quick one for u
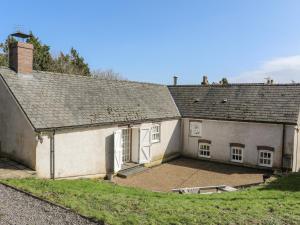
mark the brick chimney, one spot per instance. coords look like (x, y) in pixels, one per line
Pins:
(204, 80)
(21, 57)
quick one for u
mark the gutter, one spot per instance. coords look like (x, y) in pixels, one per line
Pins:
(121, 123)
(52, 155)
(239, 120)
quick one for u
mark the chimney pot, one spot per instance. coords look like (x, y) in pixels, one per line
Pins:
(21, 57)
(175, 78)
(204, 80)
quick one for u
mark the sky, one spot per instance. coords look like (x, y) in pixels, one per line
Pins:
(153, 40)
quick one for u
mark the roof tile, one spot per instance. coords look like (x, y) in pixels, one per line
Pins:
(58, 100)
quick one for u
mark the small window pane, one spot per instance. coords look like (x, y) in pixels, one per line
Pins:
(265, 158)
(236, 154)
(155, 133)
(204, 150)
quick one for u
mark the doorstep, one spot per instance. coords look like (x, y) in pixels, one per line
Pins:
(130, 169)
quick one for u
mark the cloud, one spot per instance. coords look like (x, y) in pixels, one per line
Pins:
(281, 70)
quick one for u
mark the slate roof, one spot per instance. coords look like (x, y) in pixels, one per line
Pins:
(58, 100)
(239, 102)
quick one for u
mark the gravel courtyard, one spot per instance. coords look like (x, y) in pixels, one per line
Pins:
(17, 208)
(184, 172)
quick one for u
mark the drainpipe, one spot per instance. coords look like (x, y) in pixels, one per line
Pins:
(283, 145)
(296, 154)
(52, 155)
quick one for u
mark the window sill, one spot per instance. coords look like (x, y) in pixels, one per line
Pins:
(264, 165)
(202, 156)
(155, 141)
(236, 161)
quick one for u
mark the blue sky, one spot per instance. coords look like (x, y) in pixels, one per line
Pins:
(151, 40)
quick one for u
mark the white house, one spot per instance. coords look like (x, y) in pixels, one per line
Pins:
(244, 124)
(70, 126)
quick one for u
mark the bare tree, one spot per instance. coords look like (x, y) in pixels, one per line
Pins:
(108, 74)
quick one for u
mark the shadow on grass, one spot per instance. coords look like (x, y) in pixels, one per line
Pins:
(290, 182)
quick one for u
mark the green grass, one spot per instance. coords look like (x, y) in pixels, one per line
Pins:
(275, 203)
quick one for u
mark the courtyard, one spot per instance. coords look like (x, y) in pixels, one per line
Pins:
(185, 172)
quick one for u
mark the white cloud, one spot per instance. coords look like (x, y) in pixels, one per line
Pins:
(281, 70)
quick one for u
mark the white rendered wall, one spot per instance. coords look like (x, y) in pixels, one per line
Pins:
(296, 158)
(222, 133)
(89, 151)
(170, 140)
(17, 136)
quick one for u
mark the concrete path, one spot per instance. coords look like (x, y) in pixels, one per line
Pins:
(17, 208)
(11, 169)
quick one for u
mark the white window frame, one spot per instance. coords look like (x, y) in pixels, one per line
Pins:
(233, 153)
(155, 132)
(271, 158)
(204, 148)
(192, 124)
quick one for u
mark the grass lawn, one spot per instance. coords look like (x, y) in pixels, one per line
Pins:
(275, 203)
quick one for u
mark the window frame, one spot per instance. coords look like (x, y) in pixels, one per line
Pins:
(208, 150)
(232, 148)
(157, 140)
(271, 158)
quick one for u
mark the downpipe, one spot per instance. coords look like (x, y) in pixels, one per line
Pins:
(296, 154)
(283, 147)
(52, 155)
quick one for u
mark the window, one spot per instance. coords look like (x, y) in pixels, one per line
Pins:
(155, 133)
(236, 154)
(126, 145)
(204, 150)
(265, 158)
(195, 128)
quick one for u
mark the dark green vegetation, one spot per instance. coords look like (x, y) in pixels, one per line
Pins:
(71, 63)
(275, 203)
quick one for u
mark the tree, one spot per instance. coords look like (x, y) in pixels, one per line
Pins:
(224, 81)
(61, 63)
(78, 64)
(4, 49)
(42, 59)
(107, 74)
(3, 56)
(71, 63)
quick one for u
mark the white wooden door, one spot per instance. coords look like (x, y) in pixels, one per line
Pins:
(118, 150)
(144, 153)
(135, 142)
